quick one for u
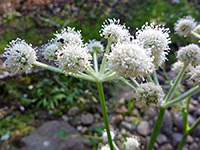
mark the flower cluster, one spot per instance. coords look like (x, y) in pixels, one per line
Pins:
(68, 36)
(20, 56)
(111, 29)
(74, 58)
(50, 51)
(195, 74)
(149, 95)
(189, 54)
(154, 38)
(185, 25)
(176, 67)
(130, 60)
(106, 147)
(95, 46)
(132, 143)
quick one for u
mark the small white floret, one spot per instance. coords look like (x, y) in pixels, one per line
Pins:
(95, 46)
(105, 137)
(50, 51)
(132, 143)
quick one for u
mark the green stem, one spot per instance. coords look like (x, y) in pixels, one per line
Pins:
(156, 129)
(135, 82)
(182, 142)
(95, 61)
(182, 97)
(105, 56)
(149, 78)
(109, 77)
(104, 111)
(82, 75)
(165, 73)
(127, 83)
(195, 34)
(173, 89)
(155, 77)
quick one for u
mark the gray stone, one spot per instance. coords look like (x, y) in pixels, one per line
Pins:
(167, 124)
(161, 139)
(87, 119)
(116, 119)
(96, 125)
(143, 128)
(76, 121)
(128, 126)
(166, 146)
(150, 113)
(176, 139)
(189, 139)
(46, 137)
(194, 146)
(73, 111)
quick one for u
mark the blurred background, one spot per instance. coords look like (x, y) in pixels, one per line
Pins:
(32, 101)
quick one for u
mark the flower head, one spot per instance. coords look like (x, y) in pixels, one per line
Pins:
(154, 38)
(50, 51)
(130, 60)
(74, 58)
(95, 46)
(20, 56)
(185, 25)
(132, 143)
(105, 137)
(189, 54)
(106, 147)
(111, 29)
(149, 95)
(195, 74)
(69, 36)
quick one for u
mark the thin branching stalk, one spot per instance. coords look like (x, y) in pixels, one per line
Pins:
(104, 111)
(95, 61)
(82, 75)
(127, 83)
(155, 78)
(102, 69)
(195, 34)
(165, 73)
(135, 82)
(182, 96)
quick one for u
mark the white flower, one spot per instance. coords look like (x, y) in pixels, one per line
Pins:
(74, 58)
(130, 60)
(185, 25)
(106, 147)
(20, 56)
(68, 36)
(50, 51)
(156, 39)
(111, 29)
(95, 46)
(195, 74)
(189, 54)
(149, 95)
(132, 143)
(105, 137)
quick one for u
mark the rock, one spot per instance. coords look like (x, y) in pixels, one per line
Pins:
(192, 108)
(194, 146)
(87, 119)
(65, 118)
(197, 113)
(46, 137)
(96, 125)
(79, 128)
(150, 113)
(135, 112)
(143, 128)
(176, 138)
(73, 111)
(196, 131)
(116, 119)
(189, 139)
(121, 101)
(166, 147)
(161, 139)
(122, 110)
(166, 126)
(97, 116)
(191, 119)
(127, 126)
(84, 130)
(130, 119)
(76, 121)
